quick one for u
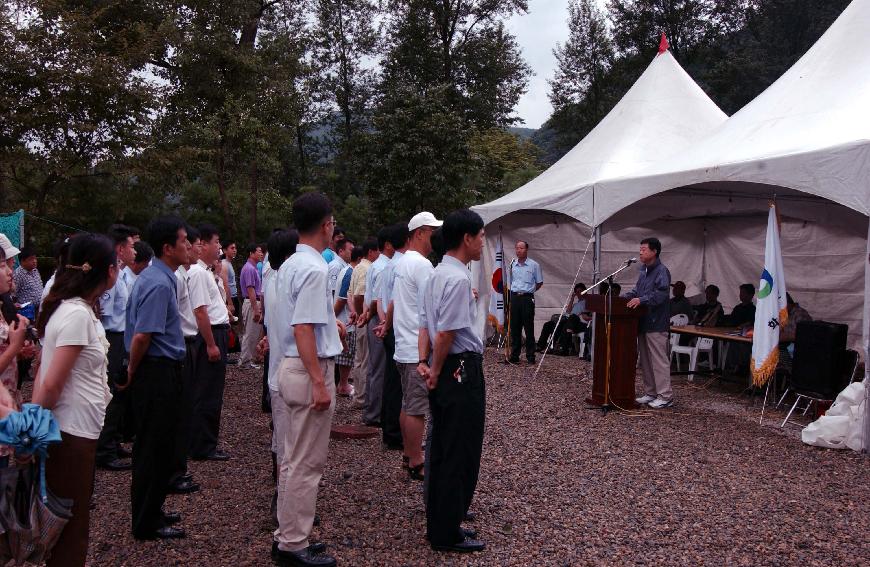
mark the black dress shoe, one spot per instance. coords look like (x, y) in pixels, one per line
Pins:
(316, 520)
(514, 360)
(183, 487)
(115, 465)
(165, 532)
(316, 547)
(170, 518)
(123, 453)
(469, 517)
(302, 558)
(469, 534)
(531, 359)
(185, 477)
(216, 455)
(464, 546)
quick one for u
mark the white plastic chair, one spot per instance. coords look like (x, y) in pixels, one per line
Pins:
(678, 320)
(703, 345)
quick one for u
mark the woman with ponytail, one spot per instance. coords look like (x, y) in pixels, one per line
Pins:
(72, 381)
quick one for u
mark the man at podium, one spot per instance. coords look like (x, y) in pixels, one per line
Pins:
(652, 291)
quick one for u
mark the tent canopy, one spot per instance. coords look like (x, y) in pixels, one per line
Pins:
(809, 131)
(663, 113)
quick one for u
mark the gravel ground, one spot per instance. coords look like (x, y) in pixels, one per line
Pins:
(701, 483)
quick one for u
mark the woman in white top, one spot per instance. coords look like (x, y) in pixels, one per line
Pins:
(72, 381)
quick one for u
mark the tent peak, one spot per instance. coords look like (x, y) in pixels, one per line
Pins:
(663, 43)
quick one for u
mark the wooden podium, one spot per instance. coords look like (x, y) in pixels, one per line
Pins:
(618, 391)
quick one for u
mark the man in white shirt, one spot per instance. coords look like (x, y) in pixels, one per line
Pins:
(305, 383)
(412, 271)
(181, 481)
(213, 323)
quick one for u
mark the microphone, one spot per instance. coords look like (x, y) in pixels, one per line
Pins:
(630, 261)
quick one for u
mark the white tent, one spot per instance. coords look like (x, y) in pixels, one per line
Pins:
(805, 141)
(664, 112)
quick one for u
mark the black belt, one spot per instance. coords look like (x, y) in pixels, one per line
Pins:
(114, 333)
(523, 293)
(190, 340)
(224, 326)
(160, 360)
(467, 355)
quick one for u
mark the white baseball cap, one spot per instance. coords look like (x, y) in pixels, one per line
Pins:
(423, 219)
(8, 250)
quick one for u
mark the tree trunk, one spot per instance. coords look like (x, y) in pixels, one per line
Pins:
(254, 189)
(229, 223)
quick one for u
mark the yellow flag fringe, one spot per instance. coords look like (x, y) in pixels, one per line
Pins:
(761, 375)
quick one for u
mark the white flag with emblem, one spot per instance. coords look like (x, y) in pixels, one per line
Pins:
(770, 311)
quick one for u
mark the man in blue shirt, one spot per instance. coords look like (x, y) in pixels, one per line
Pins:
(156, 350)
(652, 291)
(454, 376)
(526, 279)
(113, 312)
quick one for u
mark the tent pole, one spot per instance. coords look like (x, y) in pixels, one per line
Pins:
(596, 254)
(866, 325)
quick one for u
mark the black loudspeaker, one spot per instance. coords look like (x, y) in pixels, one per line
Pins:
(819, 356)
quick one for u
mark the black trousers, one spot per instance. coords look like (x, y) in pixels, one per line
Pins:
(392, 405)
(182, 439)
(113, 423)
(266, 399)
(522, 320)
(207, 395)
(563, 338)
(458, 416)
(156, 395)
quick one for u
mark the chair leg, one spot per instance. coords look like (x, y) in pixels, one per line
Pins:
(796, 402)
(782, 399)
(693, 365)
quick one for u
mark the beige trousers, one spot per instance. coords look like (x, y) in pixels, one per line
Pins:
(306, 443)
(655, 366)
(250, 335)
(360, 366)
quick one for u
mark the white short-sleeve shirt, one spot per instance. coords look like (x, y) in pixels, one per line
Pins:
(81, 407)
(448, 304)
(185, 311)
(204, 291)
(304, 298)
(271, 319)
(411, 272)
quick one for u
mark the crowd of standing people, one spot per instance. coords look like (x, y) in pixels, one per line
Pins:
(135, 335)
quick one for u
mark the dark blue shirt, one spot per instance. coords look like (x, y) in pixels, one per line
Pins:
(653, 290)
(153, 309)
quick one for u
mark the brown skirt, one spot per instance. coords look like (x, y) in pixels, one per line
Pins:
(69, 473)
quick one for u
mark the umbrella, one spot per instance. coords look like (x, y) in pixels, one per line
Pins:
(31, 520)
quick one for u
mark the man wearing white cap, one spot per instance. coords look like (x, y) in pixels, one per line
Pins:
(412, 271)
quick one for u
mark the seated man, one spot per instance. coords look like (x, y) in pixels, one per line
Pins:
(574, 320)
(680, 304)
(744, 312)
(709, 314)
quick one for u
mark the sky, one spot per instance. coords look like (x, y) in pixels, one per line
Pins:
(538, 32)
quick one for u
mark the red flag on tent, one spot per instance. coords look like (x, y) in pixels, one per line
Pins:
(663, 44)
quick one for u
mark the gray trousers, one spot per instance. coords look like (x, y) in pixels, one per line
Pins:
(375, 378)
(655, 366)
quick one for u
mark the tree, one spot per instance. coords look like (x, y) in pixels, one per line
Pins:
(451, 70)
(346, 41)
(73, 101)
(578, 91)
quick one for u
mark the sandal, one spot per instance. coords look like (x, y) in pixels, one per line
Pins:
(416, 473)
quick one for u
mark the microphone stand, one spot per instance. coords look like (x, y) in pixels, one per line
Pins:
(608, 315)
